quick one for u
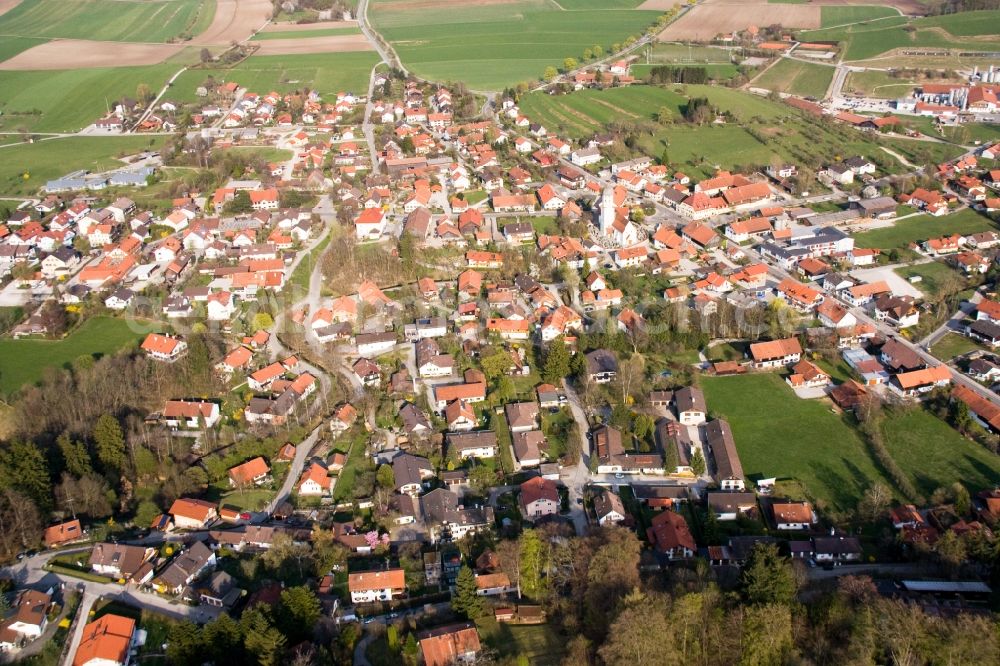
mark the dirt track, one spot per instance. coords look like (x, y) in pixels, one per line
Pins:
(82, 53)
(336, 44)
(319, 25)
(7, 5)
(234, 21)
(906, 6)
(704, 22)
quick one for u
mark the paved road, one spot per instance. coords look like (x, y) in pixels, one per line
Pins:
(85, 605)
(302, 451)
(576, 478)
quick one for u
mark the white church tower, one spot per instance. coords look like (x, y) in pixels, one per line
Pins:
(607, 210)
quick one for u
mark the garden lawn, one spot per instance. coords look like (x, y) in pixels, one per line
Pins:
(24, 361)
(69, 100)
(934, 276)
(952, 345)
(778, 434)
(797, 77)
(119, 21)
(933, 454)
(352, 443)
(490, 47)
(248, 500)
(922, 227)
(45, 160)
(326, 73)
(537, 644)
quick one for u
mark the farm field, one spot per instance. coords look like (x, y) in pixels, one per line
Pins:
(952, 345)
(933, 454)
(706, 20)
(497, 45)
(974, 31)
(934, 276)
(11, 46)
(719, 72)
(326, 73)
(25, 361)
(303, 34)
(777, 434)
(119, 21)
(796, 77)
(922, 227)
(45, 160)
(315, 45)
(69, 100)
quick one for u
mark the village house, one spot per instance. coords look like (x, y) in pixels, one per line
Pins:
(193, 514)
(107, 641)
(451, 644)
(539, 497)
(670, 536)
(251, 473)
(369, 586)
(793, 515)
(776, 353)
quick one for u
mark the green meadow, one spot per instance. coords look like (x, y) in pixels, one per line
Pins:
(25, 361)
(48, 159)
(796, 77)
(69, 100)
(327, 73)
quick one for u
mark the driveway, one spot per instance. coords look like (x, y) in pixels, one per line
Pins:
(899, 285)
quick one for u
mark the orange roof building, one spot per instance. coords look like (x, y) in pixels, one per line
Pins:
(454, 643)
(106, 642)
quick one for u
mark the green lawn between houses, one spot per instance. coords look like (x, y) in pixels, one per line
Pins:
(952, 345)
(119, 21)
(538, 644)
(44, 160)
(933, 454)
(778, 434)
(934, 275)
(493, 46)
(24, 361)
(920, 228)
